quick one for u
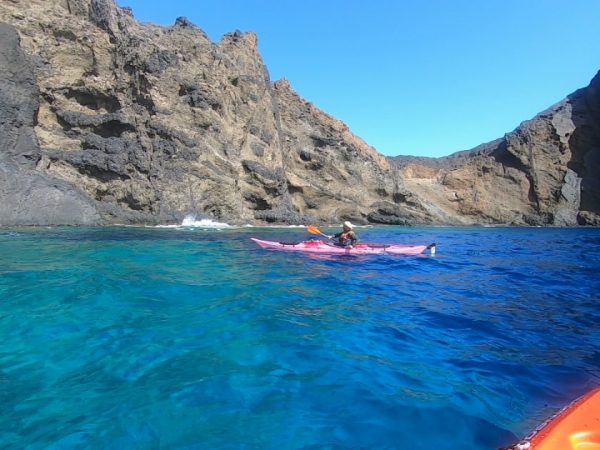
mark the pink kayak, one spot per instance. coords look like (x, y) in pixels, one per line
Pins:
(316, 246)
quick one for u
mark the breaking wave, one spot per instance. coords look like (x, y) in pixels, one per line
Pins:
(190, 221)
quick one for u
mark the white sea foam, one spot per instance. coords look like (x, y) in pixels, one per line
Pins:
(190, 221)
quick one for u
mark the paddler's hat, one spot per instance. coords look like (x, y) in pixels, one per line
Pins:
(347, 224)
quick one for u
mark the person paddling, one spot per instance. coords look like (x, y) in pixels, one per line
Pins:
(347, 237)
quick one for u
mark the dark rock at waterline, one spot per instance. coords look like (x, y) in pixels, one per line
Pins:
(29, 197)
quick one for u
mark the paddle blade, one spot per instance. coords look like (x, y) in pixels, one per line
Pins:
(312, 229)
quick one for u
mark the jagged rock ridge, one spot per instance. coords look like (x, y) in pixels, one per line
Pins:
(106, 120)
(545, 172)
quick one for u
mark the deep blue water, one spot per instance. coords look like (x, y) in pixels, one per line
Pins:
(194, 339)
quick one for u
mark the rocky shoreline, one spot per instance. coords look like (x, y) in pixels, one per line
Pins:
(104, 120)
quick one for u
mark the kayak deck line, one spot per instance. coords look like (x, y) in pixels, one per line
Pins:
(318, 246)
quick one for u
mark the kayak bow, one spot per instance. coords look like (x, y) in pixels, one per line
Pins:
(575, 427)
(316, 246)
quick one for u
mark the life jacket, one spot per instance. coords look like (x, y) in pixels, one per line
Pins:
(344, 238)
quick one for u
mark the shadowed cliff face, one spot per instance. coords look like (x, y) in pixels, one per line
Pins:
(145, 124)
(27, 196)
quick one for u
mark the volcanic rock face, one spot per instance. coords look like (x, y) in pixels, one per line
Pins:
(547, 171)
(105, 120)
(28, 196)
(152, 123)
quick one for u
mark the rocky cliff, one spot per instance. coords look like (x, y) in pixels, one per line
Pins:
(106, 120)
(546, 172)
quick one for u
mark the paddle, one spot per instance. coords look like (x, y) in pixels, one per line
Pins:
(312, 229)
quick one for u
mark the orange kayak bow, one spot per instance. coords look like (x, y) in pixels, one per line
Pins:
(575, 427)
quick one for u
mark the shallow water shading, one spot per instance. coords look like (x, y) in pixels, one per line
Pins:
(126, 337)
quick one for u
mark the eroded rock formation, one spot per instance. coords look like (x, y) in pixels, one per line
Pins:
(106, 120)
(546, 172)
(29, 196)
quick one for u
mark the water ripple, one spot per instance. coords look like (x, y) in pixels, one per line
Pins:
(124, 337)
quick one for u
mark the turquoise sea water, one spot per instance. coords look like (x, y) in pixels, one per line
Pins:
(194, 339)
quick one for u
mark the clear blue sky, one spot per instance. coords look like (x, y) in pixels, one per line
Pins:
(413, 77)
